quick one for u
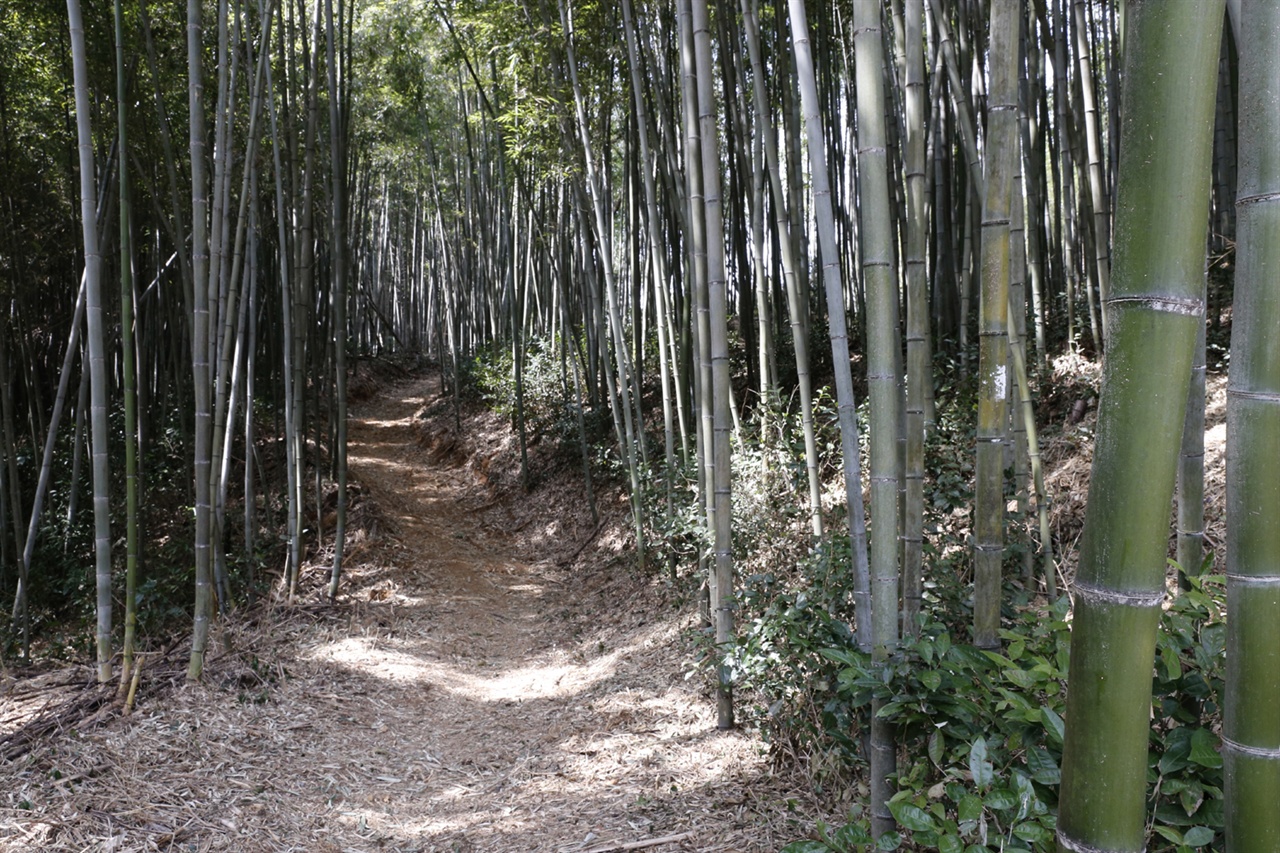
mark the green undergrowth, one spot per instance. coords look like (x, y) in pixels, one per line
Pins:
(979, 732)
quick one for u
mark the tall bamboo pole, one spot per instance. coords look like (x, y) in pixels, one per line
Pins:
(127, 362)
(718, 306)
(338, 214)
(994, 382)
(97, 354)
(1250, 722)
(199, 337)
(1162, 206)
(919, 366)
(883, 368)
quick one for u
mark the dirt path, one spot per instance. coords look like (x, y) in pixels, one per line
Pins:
(455, 703)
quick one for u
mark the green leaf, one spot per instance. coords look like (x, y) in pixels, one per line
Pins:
(1191, 796)
(999, 659)
(806, 846)
(844, 656)
(913, 817)
(1032, 832)
(931, 679)
(1021, 678)
(950, 844)
(1198, 836)
(1042, 766)
(1168, 833)
(889, 841)
(850, 837)
(1052, 722)
(1000, 799)
(1172, 665)
(979, 766)
(969, 808)
(1204, 749)
(936, 746)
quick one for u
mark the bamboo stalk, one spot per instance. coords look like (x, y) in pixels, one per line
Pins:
(1170, 60)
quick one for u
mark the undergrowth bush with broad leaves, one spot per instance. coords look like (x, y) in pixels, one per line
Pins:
(979, 732)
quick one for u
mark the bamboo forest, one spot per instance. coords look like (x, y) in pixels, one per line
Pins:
(672, 425)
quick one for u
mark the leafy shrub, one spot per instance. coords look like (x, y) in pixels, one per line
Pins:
(980, 733)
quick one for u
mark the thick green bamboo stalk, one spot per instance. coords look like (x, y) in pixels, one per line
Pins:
(1251, 719)
(994, 385)
(97, 355)
(1162, 206)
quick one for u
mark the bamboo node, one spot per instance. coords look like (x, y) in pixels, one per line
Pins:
(1168, 304)
(1232, 746)
(1098, 595)
(1252, 580)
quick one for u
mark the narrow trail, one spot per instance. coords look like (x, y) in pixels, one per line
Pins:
(459, 699)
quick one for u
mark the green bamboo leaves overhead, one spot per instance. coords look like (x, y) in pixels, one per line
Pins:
(1155, 307)
(1251, 713)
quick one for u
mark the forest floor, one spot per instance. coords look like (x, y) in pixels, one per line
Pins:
(496, 676)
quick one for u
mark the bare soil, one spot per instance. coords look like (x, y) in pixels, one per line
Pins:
(495, 677)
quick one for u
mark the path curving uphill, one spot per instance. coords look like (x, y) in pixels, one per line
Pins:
(465, 695)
